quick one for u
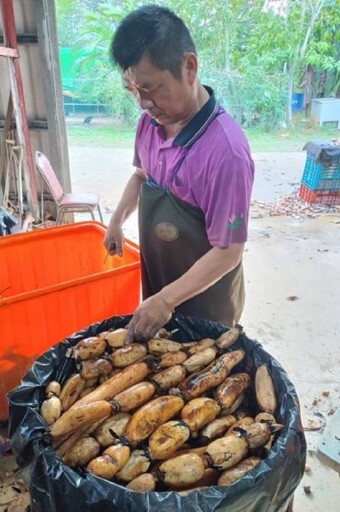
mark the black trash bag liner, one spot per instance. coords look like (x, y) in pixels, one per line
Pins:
(55, 487)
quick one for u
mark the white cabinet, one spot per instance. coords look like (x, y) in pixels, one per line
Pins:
(326, 110)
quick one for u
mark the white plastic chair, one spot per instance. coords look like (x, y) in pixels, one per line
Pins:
(76, 202)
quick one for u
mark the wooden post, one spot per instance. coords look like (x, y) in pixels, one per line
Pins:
(51, 81)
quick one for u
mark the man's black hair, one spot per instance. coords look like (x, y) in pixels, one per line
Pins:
(155, 32)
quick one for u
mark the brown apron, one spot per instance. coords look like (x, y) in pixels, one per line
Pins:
(172, 238)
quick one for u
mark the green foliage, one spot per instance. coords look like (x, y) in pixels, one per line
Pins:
(323, 52)
(98, 80)
(253, 98)
(251, 57)
(70, 15)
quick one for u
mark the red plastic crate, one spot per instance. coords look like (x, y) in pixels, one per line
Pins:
(326, 197)
(54, 282)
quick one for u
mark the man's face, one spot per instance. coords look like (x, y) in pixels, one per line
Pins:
(166, 99)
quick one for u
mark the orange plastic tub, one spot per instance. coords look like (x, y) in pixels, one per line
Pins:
(54, 282)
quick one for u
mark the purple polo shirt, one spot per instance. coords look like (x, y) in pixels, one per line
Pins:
(208, 165)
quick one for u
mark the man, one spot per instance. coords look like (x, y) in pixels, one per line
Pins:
(192, 182)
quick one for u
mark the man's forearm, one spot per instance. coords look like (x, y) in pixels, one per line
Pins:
(203, 274)
(129, 200)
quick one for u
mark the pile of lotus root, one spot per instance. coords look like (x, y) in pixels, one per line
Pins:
(161, 415)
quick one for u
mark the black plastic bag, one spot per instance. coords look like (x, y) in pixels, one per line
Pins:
(55, 487)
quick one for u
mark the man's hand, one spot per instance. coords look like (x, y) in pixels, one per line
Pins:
(113, 240)
(148, 318)
(114, 237)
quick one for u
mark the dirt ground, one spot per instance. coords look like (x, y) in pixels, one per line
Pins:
(293, 293)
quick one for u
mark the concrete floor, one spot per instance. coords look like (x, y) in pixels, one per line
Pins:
(293, 293)
(300, 259)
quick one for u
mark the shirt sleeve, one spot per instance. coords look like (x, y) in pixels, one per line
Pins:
(226, 201)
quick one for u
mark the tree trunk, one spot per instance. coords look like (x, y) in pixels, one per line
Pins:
(321, 86)
(301, 50)
(308, 89)
(289, 116)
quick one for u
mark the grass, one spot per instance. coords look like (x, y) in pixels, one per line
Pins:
(285, 140)
(100, 136)
(288, 140)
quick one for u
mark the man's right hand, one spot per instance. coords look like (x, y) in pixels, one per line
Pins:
(114, 238)
(128, 203)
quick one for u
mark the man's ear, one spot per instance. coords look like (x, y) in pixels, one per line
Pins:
(190, 67)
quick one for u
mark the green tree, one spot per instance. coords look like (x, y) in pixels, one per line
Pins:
(248, 85)
(309, 11)
(323, 53)
(286, 42)
(70, 16)
(253, 58)
(100, 80)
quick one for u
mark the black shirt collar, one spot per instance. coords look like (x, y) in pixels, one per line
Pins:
(198, 123)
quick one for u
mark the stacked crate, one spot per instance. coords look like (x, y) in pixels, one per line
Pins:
(321, 179)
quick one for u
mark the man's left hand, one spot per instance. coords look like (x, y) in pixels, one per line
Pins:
(148, 318)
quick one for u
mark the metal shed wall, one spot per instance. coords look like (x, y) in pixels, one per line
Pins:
(39, 65)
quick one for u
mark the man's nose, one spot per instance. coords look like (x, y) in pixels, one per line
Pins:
(144, 101)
